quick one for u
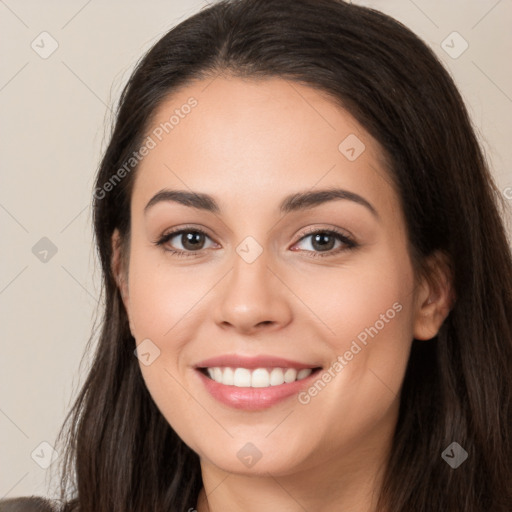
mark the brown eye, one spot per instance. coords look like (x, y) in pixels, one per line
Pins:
(190, 240)
(323, 241)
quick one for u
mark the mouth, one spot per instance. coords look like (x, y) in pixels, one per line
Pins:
(254, 383)
(257, 377)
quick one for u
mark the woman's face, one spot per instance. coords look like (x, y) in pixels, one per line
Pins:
(260, 285)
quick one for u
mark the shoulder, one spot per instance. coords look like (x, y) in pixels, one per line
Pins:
(27, 504)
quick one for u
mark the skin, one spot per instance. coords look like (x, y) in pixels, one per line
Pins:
(249, 144)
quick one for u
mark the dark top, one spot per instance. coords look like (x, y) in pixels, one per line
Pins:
(27, 504)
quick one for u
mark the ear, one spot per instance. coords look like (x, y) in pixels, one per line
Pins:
(120, 272)
(435, 296)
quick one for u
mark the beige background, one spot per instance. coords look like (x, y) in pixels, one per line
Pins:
(55, 123)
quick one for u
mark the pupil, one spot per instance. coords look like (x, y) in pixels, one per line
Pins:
(323, 239)
(192, 238)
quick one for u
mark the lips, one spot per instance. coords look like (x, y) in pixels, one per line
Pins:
(264, 361)
(254, 383)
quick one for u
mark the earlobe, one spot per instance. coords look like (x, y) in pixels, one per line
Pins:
(435, 298)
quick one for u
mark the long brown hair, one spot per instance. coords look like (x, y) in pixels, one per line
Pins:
(121, 454)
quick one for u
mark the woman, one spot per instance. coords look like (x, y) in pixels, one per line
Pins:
(300, 237)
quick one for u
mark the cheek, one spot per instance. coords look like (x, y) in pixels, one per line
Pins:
(162, 295)
(369, 314)
(162, 312)
(166, 301)
(367, 298)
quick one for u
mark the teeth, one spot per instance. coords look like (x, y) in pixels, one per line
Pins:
(305, 372)
(227, 377)
(241, 378)
(290, 375)
(276, 377)
(257, 378)
(260, 378)
(217, 373)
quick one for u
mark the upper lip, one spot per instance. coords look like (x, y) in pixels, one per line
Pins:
(263, 361)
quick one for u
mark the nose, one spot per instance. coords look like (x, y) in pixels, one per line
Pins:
(253, 298)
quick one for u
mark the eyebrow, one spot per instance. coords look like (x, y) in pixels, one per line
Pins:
(292, 203)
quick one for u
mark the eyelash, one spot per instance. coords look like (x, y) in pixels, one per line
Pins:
(349, 242)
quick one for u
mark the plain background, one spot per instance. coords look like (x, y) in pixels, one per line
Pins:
(56, 115)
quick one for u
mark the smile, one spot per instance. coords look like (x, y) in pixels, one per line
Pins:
(257, 389)
(256, 378)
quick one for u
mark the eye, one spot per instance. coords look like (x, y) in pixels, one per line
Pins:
(324, 240)
(191, 240)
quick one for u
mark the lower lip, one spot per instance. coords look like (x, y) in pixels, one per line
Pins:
(254, 398)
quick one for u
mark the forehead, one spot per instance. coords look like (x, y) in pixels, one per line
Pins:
(249, 140)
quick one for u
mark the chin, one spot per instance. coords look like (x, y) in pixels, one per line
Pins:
(258, 458)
